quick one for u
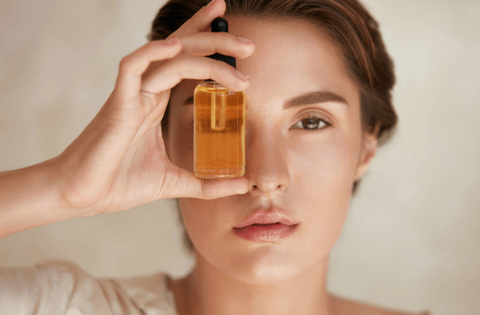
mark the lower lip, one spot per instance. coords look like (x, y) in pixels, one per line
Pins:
(265, 233)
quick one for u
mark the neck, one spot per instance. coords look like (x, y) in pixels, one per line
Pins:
(208, 290)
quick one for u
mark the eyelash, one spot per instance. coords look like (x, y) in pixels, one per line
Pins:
(316, 117)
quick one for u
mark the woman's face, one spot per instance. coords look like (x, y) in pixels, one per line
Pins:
(306, 168)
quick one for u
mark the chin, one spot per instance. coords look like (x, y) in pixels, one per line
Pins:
(264, 265)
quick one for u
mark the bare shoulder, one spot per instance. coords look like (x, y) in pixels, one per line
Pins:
(341, 306)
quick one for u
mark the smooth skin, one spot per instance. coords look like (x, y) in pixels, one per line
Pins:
(122, 160)
(309, 174)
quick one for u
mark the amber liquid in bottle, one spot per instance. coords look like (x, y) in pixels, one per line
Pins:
(219, 131)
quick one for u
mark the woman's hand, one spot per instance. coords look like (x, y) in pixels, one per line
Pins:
(119, 161)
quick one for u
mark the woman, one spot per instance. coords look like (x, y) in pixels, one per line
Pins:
(318, 81)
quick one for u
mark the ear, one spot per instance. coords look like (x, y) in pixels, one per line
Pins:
(368, 152)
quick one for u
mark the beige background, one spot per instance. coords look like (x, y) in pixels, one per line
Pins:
(412, 237)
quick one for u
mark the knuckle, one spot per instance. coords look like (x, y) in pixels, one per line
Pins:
(195, 50)
(125, 63)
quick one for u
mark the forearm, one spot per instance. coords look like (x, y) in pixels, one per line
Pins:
(29, 197)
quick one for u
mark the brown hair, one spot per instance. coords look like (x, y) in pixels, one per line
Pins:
(350, 25)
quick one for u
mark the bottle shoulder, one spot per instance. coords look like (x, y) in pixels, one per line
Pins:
(213, 86)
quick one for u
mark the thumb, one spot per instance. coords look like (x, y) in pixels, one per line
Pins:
(218, 188)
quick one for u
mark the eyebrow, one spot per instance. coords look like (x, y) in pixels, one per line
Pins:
(304, 99)
(312, 98)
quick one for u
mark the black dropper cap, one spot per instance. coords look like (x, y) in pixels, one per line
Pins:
(221, 25)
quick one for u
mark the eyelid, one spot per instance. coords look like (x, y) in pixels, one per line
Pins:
(316, 115)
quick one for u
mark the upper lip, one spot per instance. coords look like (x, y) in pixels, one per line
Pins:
(266, 216)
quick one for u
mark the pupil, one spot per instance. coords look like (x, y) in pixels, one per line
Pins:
(312, 121)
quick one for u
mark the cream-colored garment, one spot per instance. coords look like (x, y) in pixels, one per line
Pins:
(63, 288)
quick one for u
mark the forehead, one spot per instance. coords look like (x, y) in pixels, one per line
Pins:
(290, 43)
(292, 56)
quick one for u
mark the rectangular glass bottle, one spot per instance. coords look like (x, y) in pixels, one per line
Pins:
(219, 131)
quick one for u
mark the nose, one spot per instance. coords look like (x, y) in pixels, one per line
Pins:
(265, 167)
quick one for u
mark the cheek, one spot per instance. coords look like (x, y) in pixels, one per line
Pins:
(323, 162)
(209, 225)
(207, 220)
(321, 185)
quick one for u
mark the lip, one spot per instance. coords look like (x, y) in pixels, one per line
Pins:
(265, 216)
(266, 225)
(265, 233)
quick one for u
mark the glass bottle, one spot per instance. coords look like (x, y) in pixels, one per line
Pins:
(219, 124)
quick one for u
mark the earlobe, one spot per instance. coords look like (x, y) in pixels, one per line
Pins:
(369, 150)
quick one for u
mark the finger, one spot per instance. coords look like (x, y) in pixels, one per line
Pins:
(183, 184)
(218, 188)
(173, 71)
(136, 63)
(208, 43)
(202, 19)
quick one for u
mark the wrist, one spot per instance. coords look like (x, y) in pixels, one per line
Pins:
(52, 172)
(29, 197)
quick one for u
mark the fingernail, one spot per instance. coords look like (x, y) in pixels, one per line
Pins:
(171, 41)
(245, 40)
(242, 76)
